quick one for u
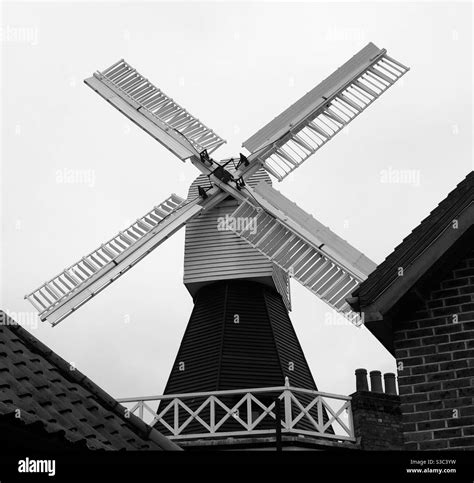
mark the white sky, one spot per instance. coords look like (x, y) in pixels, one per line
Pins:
(235, 66)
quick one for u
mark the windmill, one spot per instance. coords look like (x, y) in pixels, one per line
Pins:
(244, 239)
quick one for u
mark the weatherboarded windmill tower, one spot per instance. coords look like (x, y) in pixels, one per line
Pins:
(243, 242)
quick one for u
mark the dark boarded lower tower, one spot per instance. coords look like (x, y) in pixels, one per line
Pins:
(239, 336)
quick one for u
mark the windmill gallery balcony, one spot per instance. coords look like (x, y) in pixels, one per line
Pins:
(217, 417)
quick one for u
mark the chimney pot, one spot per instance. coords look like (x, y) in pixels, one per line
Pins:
(361, 380)
(376, 381)
(390, 384)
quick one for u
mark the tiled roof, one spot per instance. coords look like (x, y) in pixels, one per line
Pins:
(416, 242)
(43, 387)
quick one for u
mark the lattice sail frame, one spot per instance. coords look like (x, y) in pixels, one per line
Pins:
(110, 257)
(302, 129)
(303, 262)
(328, 266)
(181, 133)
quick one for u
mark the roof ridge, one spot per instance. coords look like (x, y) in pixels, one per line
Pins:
(413, 245)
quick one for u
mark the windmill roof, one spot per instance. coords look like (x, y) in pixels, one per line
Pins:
(62, 402)
(416, 243)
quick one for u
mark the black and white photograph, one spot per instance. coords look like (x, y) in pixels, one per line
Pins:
(237, 241)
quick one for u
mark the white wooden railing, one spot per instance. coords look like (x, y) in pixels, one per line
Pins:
(301, 411)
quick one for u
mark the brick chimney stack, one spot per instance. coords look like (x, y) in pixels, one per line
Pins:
(376, 414)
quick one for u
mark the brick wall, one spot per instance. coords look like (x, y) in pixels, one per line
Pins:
(434, 348)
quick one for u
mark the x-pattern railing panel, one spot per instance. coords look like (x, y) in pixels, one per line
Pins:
(242, 412)
(194, 415)
(305, 412)
(231, 412)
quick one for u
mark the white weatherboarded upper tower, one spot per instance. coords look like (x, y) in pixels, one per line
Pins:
(213, 252)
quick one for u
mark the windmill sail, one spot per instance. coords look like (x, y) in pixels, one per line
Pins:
(155, 112)
(298, 132)
(74, 286)
(311, 253)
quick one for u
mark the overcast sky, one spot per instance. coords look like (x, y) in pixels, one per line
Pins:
(235, 66)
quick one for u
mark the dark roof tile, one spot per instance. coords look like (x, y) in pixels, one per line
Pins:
(63, 401)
